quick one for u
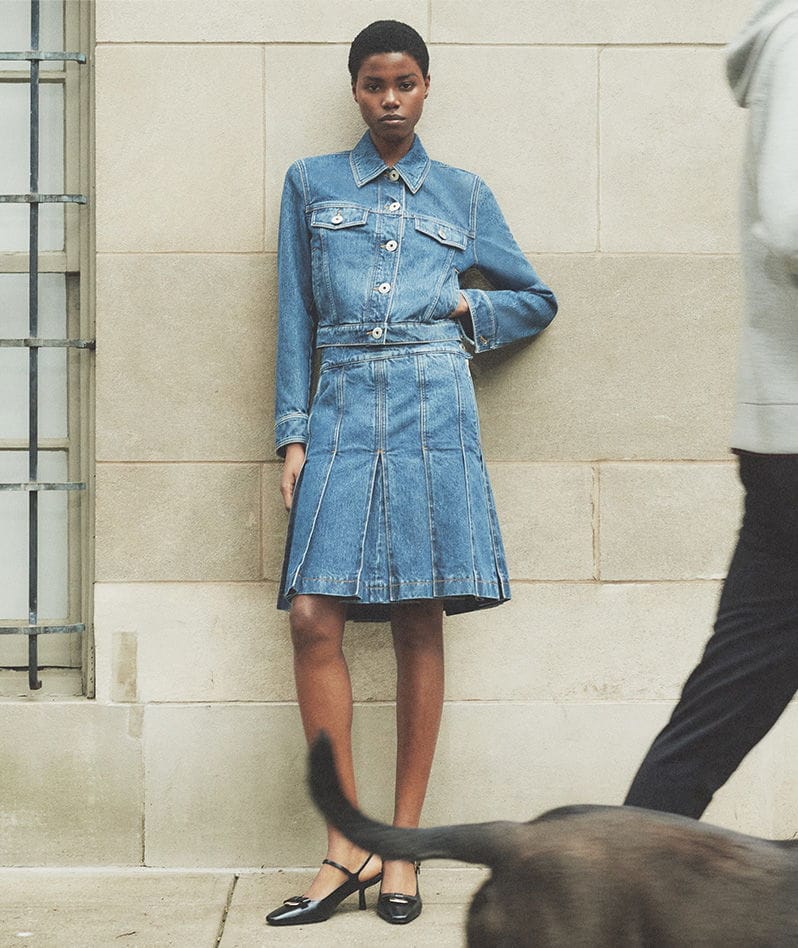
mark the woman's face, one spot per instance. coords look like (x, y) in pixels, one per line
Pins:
(390, 91)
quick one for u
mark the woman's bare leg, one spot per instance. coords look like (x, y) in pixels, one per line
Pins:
(417, 629)
(324, 691)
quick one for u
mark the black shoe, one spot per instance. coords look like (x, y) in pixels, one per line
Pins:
(300, 910)
(397, 908)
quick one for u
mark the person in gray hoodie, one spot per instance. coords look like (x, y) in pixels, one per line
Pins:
(749, 670)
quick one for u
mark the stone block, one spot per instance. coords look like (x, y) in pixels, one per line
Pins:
(639, 363)
(668, 521)
(247, 21)
(235, 770)
(317, 126)
(184, 365)
(95, 909)
(783, 740)
(179, 148)
(275, 521)
(748, 800)
(189, 522)
(191, 642)
(599, 22)
(557, 642)
(532, 756)
(671, 144)
(226, 642)
(546, 517)
(543, 170)
(72, 784)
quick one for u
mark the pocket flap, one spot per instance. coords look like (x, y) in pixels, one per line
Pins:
(337, 218)
(444, 233)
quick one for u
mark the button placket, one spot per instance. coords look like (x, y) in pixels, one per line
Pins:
(389, 245)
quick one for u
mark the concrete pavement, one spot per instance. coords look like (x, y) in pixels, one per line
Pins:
(156, 908)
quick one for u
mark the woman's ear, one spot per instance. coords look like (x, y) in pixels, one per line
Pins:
(426, 84)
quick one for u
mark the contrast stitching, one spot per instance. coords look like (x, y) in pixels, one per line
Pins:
(480, 581)
(366, 525)
(427, 473)
(465, 467)
(323, 491)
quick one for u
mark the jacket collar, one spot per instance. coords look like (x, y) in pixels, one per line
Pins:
(367, 164)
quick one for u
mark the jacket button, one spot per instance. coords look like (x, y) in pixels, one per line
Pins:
(391, 245)
(376, 332)
(337, 219)
(442, 234)
(384, 288)
(395, 206)
(393, 175)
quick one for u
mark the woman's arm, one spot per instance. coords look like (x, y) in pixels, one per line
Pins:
(778, 163)
(520, 305)
(296, 316)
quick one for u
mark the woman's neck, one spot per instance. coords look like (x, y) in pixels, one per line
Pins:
(392, 153)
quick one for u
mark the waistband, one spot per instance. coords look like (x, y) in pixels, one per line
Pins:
(337, 356)
(388, 334)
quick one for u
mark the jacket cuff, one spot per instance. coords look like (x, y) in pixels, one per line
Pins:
(483, 320)
(290, 429)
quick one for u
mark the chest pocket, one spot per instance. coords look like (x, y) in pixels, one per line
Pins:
(444, 234)
(339, 218)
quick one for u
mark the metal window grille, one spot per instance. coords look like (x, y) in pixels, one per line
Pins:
(33, 343)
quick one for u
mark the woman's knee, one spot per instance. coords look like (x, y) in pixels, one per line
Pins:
(316, 627)
(417, 625)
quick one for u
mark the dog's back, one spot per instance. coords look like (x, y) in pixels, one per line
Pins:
(595, 877)
(598, 877)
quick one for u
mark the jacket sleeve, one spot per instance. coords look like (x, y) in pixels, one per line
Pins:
(296, 316)
(519, 305)
(778, 162)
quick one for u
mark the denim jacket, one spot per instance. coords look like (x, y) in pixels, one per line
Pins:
(370, 255)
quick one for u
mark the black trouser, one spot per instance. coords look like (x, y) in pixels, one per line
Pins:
(749, 670)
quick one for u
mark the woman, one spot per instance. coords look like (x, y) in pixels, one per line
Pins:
(392, 516)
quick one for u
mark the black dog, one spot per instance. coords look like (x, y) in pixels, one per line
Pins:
(598, 876)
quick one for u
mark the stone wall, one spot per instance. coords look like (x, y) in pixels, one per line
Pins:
(612, 143)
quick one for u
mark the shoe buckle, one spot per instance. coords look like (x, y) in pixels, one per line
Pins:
(297, 901)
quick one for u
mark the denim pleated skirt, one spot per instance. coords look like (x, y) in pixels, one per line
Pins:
(393, 502)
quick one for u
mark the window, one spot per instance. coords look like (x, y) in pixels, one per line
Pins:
(45, 346)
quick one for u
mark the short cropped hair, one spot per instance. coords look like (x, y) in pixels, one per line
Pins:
(387, 36)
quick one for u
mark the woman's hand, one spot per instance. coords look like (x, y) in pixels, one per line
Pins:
(292, 465)
(461, 309)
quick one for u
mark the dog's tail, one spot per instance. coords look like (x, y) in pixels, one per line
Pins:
(483, 843)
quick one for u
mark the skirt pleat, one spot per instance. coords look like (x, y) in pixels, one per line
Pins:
(394, 501)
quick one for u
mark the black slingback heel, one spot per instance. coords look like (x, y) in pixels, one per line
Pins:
(396, 908)
(300, 910)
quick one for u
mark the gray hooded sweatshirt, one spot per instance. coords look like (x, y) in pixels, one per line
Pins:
(762, 67)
